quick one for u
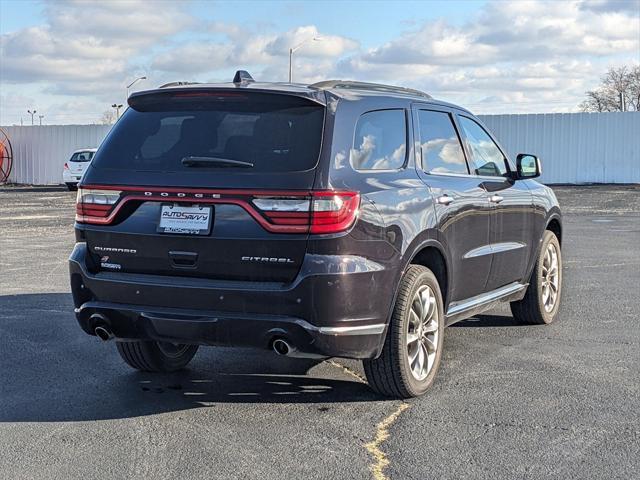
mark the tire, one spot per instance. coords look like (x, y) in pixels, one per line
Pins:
(72, 187)
(535, 308)
(151, 356)
(391, 374)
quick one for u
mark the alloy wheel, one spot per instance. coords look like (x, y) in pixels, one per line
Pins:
(550, 278)
(422, 332)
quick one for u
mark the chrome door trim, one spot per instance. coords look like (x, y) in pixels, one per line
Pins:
(506, 246)
(493, 248)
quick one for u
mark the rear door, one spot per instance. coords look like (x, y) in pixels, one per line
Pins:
(511, 206)
(208, 183)
(460, 201)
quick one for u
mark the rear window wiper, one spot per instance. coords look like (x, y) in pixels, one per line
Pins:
(214, 162)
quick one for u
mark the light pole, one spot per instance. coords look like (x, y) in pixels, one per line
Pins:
(32, 114)
(40, 117)
(131, 84)
(117, 107)
(294, 50)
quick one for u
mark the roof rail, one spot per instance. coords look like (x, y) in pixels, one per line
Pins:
(177, 84)
(377, 87)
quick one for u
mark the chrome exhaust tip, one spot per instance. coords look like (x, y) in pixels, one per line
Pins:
(101, 327)
(281, 347)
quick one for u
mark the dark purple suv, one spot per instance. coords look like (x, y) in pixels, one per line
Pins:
(335, 219)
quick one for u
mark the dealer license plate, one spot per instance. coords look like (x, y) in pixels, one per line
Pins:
(188, 220)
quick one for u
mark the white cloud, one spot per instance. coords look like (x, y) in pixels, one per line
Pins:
(86, 44)
(512, 56)
(194, 58)
(542, 55)
(266, 51)
(331, 46)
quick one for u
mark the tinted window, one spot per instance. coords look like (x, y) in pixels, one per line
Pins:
(380, 141)
(276, 133)
(440, 145)
(81, 156)
(486, 156)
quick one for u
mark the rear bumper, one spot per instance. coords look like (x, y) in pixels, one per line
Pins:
(338, 306)
(68, 177)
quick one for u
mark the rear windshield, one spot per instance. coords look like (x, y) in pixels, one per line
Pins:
(81, 156)
(269, 132)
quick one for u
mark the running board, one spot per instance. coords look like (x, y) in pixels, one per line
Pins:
(478, 304)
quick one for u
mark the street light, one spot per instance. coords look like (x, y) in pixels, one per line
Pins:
(40, 117)
(131, 84)
(117, 107)
(295, 49)
(32, 114)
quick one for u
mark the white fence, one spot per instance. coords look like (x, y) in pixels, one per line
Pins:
(574, 147)
(39, 153)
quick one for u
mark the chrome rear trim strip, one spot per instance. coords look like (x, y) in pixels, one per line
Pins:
(375, 329)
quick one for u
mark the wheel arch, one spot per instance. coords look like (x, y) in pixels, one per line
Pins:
(430, 254)
(554, 224)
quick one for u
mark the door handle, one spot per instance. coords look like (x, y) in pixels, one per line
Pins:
(444, 199)
(496, 198)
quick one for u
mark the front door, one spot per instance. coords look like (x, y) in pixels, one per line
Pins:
(511, 206)
(461, 202)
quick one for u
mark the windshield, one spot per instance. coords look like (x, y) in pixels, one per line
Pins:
(272, 133)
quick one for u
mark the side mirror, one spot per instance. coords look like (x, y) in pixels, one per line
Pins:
(528, 166)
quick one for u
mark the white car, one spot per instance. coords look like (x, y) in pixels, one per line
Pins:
(75, 167)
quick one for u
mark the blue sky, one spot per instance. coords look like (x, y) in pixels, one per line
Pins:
(72, 59)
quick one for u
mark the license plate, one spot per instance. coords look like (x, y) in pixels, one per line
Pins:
(188, 220)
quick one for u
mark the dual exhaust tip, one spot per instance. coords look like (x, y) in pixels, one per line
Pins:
(104, 333)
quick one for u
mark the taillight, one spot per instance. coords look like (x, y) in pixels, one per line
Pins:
(320, 212)
(325, 211)
(95, 205)
(66, 166)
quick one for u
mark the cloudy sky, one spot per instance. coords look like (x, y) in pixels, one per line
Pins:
(72, 59)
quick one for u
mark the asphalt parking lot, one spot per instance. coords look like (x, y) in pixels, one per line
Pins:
(511, 401)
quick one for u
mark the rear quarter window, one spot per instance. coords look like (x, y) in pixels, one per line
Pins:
(380, 141)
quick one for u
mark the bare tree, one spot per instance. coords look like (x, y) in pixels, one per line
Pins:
(606, 98)
(108, 117)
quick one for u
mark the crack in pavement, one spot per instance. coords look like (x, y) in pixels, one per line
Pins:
(347, 370)
(381, 461)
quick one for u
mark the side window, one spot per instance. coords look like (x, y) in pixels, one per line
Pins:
(380, 142)
(486, 156)
(439, 143)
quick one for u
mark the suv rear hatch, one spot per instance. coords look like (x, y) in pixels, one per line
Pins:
(211, 183)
